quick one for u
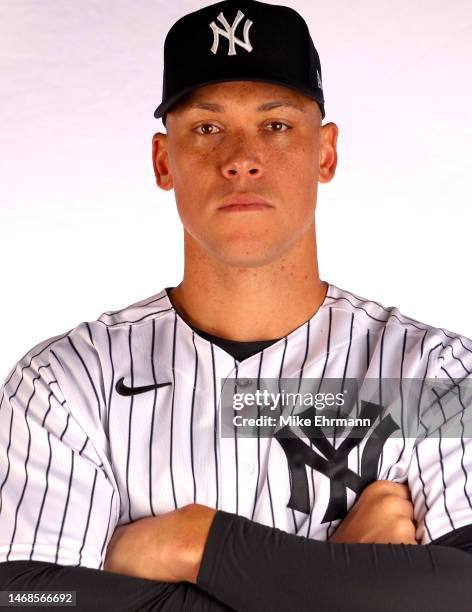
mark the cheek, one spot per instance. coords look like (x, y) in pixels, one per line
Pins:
(293, 172)
(191, 172)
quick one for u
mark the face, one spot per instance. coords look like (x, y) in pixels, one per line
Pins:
(245, 141)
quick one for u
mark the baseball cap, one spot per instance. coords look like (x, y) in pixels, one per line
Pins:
(243, 40)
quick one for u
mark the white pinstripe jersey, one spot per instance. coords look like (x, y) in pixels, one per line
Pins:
(77, 458)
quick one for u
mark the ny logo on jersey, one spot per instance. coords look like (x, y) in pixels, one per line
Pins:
(335, 463)
(230, 33)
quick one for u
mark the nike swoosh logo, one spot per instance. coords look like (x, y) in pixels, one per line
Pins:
(122, 389)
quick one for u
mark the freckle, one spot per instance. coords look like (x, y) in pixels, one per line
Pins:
(282, 267)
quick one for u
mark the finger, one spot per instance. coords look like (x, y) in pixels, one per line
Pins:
(379, 488)
(396, 488)
(406, 509)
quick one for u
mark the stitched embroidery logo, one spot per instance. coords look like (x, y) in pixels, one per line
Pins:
(229, 32)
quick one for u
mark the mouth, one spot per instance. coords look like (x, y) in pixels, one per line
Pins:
(244, 207)
(245, 203)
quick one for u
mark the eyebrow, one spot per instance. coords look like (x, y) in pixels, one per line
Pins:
(217, 108)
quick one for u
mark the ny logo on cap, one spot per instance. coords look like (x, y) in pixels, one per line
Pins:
(230, 33)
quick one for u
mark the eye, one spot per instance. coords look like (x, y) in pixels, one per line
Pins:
(279, 123)
(204, 132)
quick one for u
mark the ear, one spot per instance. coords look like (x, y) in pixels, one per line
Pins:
(328, 152)
(160, 161)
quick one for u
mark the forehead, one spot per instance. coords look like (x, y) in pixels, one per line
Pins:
(247, 92)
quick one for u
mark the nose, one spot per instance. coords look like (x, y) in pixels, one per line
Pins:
(242, 161)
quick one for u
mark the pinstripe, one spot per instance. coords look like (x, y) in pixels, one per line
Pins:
(464, 471)
(151, 437)
(300, 377)
(466, 370)
(143, 318)
(359, 308)
(256, 492)
(364, 301)
(171, 461)
(191, 420)
(392, 315)
(88, 516)
(110, 395)
(381, 403)
(402, 406)
(25, 467)
(87, 372)
(65, 508)
(425, 499)
(325, 365)
(25, 367)
(215, 425)
(294, 518)
(128, 450)
(236, 458)
(368, 348)
(419, 414)
(456, 337)
(422, 342)
(346, 363)
(108, 529)
(65, 428)
(420, 475)
(111, 313)
(8, 458)
(44, 497)
(89, 333)
(441, 462)
(269, 492)
(112, 382)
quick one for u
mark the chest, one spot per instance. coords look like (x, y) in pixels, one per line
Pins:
(178, 444)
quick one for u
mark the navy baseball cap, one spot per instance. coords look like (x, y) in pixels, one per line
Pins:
(244, 40)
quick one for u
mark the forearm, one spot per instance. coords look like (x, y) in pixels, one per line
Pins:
(102, 591)
(252, 567)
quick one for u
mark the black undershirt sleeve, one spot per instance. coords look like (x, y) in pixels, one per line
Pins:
(104, 591)
(253, 567)
(459, 538)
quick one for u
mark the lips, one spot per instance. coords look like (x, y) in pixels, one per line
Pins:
(244, 207)
(244, 202)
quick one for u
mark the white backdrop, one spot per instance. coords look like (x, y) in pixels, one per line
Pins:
(84, 229)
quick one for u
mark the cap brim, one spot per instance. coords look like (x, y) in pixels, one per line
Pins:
(163, 108)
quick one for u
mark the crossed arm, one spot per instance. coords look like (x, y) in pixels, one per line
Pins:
(248, 566)
(199, 559)
(170, 547)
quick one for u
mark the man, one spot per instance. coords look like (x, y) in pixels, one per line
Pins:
(120, 451)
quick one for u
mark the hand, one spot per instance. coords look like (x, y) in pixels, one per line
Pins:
(383, 514)
(167, 548)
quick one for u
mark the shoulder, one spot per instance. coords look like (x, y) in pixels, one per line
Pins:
(147, 308)
(448, 350)
(78, 352)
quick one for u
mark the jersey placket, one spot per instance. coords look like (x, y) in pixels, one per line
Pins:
(238, 453)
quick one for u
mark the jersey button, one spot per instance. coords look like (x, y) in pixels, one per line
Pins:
(243, 382)
(250, 468)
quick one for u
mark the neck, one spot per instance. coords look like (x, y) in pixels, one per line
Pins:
(252, 303)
